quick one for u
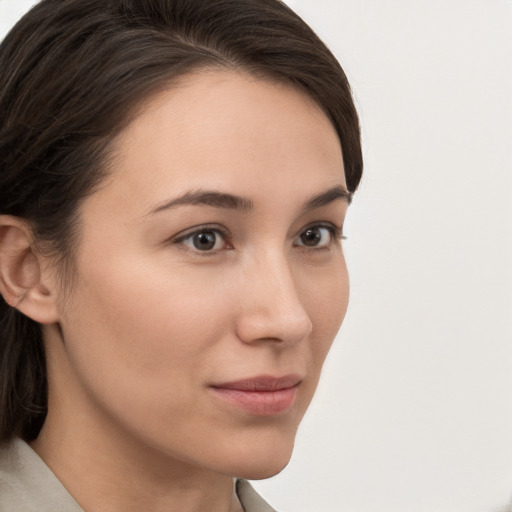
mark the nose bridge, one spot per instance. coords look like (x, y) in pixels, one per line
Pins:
(273, 309)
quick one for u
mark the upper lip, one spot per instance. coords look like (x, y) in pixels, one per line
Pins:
(262, 383)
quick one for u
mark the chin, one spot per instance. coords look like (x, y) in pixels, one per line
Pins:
(263, 471)
(262, 458)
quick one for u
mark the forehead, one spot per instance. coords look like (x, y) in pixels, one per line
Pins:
(218, 129)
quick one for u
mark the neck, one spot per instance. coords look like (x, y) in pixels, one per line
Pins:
(105, 475)
(106, 467)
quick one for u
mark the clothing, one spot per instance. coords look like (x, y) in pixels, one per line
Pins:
(28, 485)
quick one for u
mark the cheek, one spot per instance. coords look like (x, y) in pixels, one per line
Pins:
(133, 332)
(136, 296)
(327, 302)
(141, 349)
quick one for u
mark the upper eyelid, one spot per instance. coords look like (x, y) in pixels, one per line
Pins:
(338, 230)
(180, 238)
(201, 227)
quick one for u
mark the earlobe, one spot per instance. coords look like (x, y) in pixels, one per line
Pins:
(21, 280)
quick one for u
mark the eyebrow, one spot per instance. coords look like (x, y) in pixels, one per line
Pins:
(232, 202)
(329, 196)
(207, 198)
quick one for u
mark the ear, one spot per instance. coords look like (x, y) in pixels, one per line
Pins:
(21, 277)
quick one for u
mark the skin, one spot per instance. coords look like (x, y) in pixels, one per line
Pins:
(151, 322)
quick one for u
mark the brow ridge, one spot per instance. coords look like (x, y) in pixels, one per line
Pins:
(232, 202)
(330, 195)
(208, 198)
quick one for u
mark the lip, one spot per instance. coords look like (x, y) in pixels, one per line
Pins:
(263, 395)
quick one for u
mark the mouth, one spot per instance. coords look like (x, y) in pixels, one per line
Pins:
(260, 396)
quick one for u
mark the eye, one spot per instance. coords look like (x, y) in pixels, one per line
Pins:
(317, 236)
(205, 240)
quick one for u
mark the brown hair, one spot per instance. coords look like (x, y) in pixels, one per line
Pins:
(72, 72)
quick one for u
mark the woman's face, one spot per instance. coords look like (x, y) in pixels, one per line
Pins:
(210, 277)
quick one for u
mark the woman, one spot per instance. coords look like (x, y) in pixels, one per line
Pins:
(174, 175)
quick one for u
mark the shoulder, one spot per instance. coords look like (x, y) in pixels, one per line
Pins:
(27, 484)
(12, 492)
(250, 499)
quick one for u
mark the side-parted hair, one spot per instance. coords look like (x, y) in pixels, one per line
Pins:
(72, 74)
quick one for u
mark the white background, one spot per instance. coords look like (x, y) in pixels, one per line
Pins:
(414, 411)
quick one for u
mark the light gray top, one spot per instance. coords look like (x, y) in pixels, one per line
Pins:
(28, 485)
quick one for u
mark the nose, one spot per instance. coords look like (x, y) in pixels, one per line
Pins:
(270, 308)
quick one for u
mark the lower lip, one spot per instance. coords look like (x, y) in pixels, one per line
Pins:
(260, 403)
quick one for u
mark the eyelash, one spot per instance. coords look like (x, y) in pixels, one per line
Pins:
(226, 236)
(335, 233)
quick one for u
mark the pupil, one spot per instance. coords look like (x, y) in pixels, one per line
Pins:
(311, 236)
(205, 241)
